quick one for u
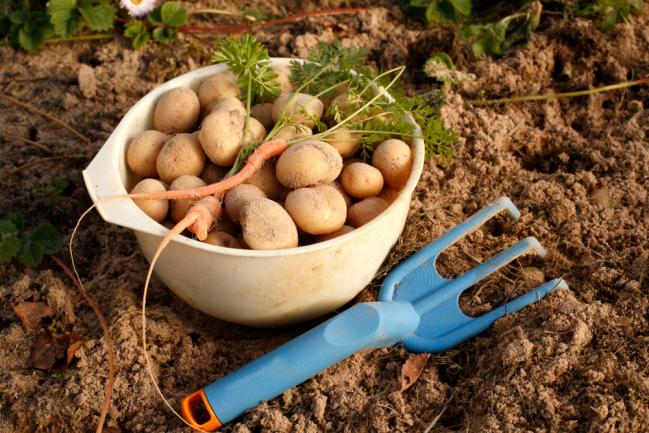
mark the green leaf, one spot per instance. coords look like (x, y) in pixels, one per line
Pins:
(164, 35)
(48, 237)
(31, 253)
(173, 14)
(99, 17)
(155, 17)
(9, 241)
(65, 17)
(137, 31)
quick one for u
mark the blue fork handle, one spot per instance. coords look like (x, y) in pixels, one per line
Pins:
(368, 325)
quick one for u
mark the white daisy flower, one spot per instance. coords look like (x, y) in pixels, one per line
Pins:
(138, 8)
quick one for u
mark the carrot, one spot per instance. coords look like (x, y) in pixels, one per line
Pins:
(263, 153)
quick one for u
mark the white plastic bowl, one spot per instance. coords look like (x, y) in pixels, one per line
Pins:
(255, 288)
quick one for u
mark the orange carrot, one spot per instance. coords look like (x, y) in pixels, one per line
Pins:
(263, 153)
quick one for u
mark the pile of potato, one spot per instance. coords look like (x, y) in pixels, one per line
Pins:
(315, 191)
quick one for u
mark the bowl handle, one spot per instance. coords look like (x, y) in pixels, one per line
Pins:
(102, 178)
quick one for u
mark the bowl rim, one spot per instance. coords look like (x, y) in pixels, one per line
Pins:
(157, 229)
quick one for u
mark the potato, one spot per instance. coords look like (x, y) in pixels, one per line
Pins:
(222, 239)
(213, 173)
(229, 104)
(390, 194)
(216, 87)
(317, 210)
(181, 154)
(265, 180)
(365, 210)
(176, 111)
(294, 132)
(264, 113)
(303, 109)
(348, 161)
(393, 158)
(143, 151)
(361, 180)
(338, 187)
(221, 136)
(284, 78)
(256, 131)
(267, 226)
(345, 142)
(344, 105)
(341, 231)
(155, 209)
(180, 207)
(238, 196)
(308, 163)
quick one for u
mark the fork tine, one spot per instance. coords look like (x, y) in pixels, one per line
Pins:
(429, 253)
(457, 286)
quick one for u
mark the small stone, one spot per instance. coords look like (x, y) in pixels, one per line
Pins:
(602, 196)
(87, 81)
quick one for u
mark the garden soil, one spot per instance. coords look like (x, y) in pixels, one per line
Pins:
(577, 168)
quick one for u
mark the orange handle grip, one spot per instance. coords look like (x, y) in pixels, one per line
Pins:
(198, 413)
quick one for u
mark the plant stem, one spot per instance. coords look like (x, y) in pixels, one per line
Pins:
(44, 114)
(28, 141)
(29, 165)
(91, 37)
(108, 390)
(291, 18)
(528, 98)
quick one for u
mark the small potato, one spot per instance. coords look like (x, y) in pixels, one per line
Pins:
(264, 113)
(350, 161)
(343, 105)
(182, 154)
(176, 111)
(155, 209)
(304, 109)
(393, 158)
(221, 136)
(216, 87)
(365, 210)
(341, 231)
(180, 207)
(317, 210)
(308, 163)
(294, 132)
(222, 239)
(267, 226)
(229, 104)
(361, 180)
(338, 187)
(345, 142)
(143, 151)
(256, 131)
(284, 78)
(238, 196)
(265, 180)
(213, 173)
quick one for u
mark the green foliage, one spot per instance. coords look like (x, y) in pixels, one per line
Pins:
(493, 27)
(22, 25)
(137, 31)
(166, 19)
(248, 59)
(496, 37)
(28, 248)
(607, 13)
(377, 119)
(68, 16)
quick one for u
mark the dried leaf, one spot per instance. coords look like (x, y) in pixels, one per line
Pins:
(72, 349)
(31, 313)
(53, 351)
(412, 369)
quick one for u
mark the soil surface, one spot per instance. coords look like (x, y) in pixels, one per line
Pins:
(577, 168)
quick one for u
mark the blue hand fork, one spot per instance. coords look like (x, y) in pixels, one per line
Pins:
(416, 307)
